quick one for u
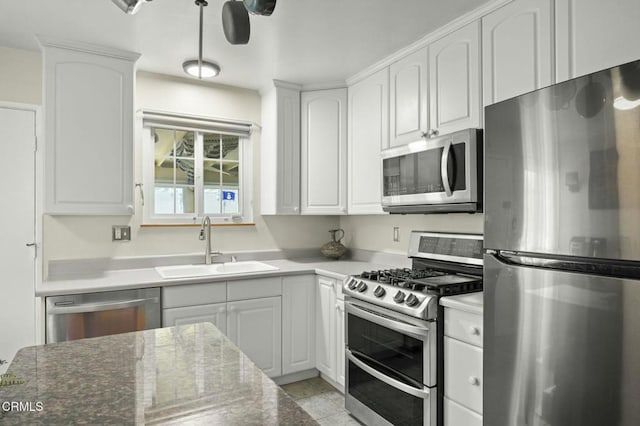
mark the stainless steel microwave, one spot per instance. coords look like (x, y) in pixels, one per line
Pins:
(438, 175)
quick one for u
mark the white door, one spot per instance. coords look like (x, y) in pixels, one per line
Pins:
(454, 81)
(368, 135)
(256, 327)
(326, 327)
(17, 215)
(517, 49)
(408, 94)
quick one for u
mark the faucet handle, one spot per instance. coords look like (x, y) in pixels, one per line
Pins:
(234, 259)
(201, 236)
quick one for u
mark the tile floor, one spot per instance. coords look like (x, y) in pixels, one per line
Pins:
(321, 400)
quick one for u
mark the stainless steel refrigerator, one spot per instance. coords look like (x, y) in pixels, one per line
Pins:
(562, 260)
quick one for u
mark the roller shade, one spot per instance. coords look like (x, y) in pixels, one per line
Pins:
(196, 123)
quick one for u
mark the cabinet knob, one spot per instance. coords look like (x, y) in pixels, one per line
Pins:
(130, 209)
(474, 381)
(430, 133)
(474, 331)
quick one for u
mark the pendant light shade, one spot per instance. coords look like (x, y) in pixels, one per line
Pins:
(202, 69)
(198, 67)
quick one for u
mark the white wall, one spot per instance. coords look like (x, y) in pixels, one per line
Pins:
(376, 232)
(20, 76)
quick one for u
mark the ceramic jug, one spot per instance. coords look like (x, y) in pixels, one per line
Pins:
(334, 249)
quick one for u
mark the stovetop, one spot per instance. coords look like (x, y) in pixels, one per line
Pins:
(415, 291)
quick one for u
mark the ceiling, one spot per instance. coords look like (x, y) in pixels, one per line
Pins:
(304, 41)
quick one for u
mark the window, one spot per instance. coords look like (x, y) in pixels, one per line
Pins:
(194, 172)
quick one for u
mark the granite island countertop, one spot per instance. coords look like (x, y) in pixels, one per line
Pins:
(189, 374)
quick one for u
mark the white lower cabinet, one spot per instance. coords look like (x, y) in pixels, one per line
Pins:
(457, 415)
(256, 327)
(215, 313)
(298, 323)
(463, 378)
(330, 330)
(248, 311)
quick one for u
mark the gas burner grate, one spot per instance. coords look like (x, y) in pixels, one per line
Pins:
(451, 288)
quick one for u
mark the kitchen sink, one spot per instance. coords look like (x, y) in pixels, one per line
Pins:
(228, 268)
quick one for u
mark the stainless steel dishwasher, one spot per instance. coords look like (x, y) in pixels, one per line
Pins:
(77, 316)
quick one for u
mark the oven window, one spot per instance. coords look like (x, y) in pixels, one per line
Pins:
(395, 406)
(394, 350)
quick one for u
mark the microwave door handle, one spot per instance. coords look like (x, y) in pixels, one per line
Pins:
(444, 171)
(95, 307)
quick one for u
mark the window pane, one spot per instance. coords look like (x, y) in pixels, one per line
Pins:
(212, 201)
(212, 172)
(163, 142)
(185, 200)
(184, 144)
(211, 145)
(230, 201)
(184, 171)
(230, 146)
(230, 173)
(163, 200)
(163, 172)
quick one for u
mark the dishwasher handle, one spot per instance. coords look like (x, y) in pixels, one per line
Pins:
(102, 306)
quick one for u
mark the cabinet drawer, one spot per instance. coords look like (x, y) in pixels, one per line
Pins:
(254, 289)
(463, 373)
(457, 415)
(215, 314)
(194, 294)
(463, 326)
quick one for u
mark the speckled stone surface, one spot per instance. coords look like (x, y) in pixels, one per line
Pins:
(189, 374)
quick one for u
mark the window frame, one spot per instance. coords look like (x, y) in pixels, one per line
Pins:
(245, 179)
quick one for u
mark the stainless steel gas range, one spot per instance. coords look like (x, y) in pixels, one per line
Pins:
(394, 363)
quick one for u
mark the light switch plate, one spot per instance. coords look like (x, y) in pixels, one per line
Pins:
(120, 233)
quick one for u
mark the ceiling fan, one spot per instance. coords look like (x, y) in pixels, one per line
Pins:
(130, 7)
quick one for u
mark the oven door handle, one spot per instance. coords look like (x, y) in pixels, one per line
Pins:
(415, 331)
(418, 393)
(95, 307)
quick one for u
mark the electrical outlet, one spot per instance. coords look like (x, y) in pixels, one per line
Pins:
(396, 234)
(120, 233)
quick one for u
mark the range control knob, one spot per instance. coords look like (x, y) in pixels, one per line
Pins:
(412, 300)
(353, 284)
(379, 291)
(399, 297)
(362, 287)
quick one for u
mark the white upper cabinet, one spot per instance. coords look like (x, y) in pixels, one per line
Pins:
(280, 150)
(324, 152)
(454, 81)
(593, 34)
(408, 98)
(368, 135)
(517, 49)
(88, 102)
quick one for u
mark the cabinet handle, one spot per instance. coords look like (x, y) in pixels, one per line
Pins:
(474, 331)
(473, 381)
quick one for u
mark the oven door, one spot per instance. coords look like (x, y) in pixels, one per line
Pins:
(390, 366)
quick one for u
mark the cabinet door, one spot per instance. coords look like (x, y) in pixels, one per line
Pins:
(298, 323)
(324, 152)
(454, 81)
(457, 415)
(255, 326)
(89, 132)
(592, 35)
(408, 94)
(280, 150)
(214, 313)
(517, 49)
(368, 135)
(326, 327)
(340, 347)
(463, 373)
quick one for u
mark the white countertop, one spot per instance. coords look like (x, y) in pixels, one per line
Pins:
(470, 302)
(148, 277)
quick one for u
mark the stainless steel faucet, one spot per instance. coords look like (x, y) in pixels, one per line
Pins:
(206, 227)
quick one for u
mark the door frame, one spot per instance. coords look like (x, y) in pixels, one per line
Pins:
(38, 204)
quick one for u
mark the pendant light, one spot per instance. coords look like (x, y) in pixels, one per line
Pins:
(199, 67)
